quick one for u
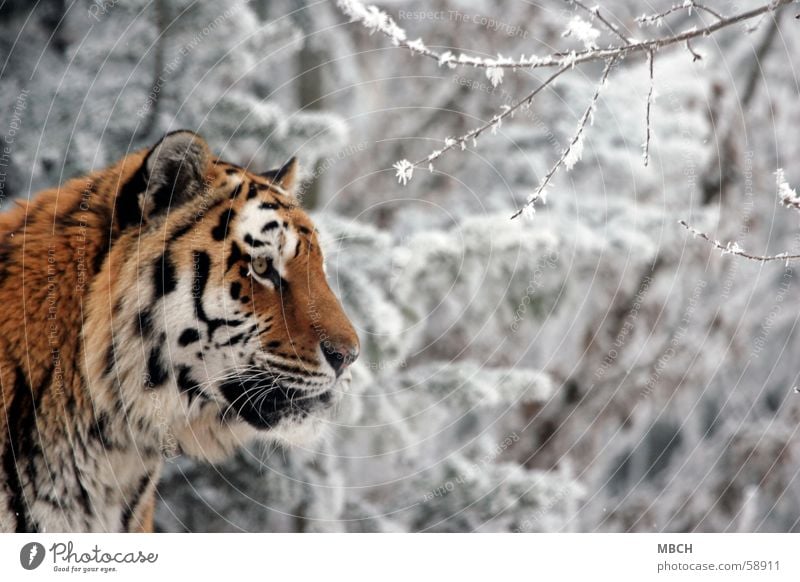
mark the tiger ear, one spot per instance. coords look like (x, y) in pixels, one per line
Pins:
(285, 176)
(173, 171)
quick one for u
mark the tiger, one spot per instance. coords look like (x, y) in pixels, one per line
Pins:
(170, 304)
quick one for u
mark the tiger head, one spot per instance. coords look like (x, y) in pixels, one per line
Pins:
(218, 278)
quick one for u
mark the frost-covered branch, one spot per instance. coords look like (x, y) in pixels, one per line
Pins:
(689, 5)
(650, 97)
(733, 248)
(788, 197)
(573, 151)
(375, 20)
(405, 169)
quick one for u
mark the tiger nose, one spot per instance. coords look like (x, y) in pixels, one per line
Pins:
(339, 356)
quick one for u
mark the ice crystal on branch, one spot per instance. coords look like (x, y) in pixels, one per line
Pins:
(495, 75)
(575, 153)
(405, 170)
(583, 31)
(786, 193)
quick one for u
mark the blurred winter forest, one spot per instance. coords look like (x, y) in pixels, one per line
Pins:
(594, 367)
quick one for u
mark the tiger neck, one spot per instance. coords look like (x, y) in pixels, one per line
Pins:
(74, 460)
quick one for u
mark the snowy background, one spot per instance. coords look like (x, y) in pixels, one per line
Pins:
(594, 369)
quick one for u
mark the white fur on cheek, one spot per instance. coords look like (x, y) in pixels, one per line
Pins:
(179, 315)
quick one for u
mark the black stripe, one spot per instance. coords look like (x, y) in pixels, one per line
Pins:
(189, 386)
(82, 207)
(127, 211)
(69, 220)
(155, 370)
(19, 449)
(212, 206)
(111, 359)
(189, 336)
(281, 284)
(255, 243)
(86, 502)
(297, 357)
(202, 272)
(131, 508)
(238, 338)
(220, 231)
(233, 257)
(6, 251)
(182, 231)
(164, 276)
(236, 290)
(98, 430)
(295, 371)
(145, 320)
(270, 225)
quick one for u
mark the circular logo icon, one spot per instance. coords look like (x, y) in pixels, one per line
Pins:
(31, 555)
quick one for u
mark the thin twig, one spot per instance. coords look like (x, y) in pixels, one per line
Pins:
(495, 120)
(649, 19)
(578, 136)
(376, 20)
(757, 60)
(705, 8)
(650, 59)
(596, 12)
(695, 55)
(734, 249)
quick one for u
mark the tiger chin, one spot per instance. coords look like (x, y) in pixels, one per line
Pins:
(170, 304)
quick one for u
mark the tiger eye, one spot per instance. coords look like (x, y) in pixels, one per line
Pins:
(260, 266)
